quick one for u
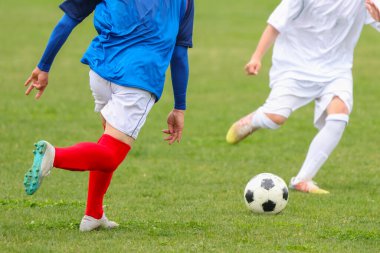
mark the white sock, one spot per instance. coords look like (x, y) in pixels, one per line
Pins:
(321, 147)
(261, 120)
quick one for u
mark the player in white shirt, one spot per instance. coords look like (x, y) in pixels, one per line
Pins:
(373, 10)
(312, 59)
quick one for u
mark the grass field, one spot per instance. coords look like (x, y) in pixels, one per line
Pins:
(187, 197)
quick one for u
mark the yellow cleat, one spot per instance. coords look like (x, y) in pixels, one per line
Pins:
(307, 187)
(240, 129)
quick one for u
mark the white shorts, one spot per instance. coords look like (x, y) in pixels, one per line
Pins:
(124, 108)
(288, 95)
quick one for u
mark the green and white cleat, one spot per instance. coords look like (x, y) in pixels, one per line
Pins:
(42, 164)
(89, 223)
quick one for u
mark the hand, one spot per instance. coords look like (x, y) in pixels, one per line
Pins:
(38, 80)
(176, 122)
(373, 10)
(253, 67)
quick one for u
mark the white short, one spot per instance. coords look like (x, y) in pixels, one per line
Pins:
(124, 108)
(288, 95)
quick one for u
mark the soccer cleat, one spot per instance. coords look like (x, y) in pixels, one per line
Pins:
(240, 129)
(306, 186)
(42, 164)
(89, 223)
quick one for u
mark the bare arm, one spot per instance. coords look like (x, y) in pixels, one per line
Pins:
(266, 41)
(179, 67)
(40, 76)
(373, 10)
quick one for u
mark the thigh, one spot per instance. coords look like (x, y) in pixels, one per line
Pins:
(101, 90)
(336, 92)
(337, 106)
(127, 109)
(337, 97)
(286, 97)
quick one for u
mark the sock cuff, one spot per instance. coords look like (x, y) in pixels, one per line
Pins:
(269, 123)
(108, 140)
(261, 120)
(118, 148)
(338, 117)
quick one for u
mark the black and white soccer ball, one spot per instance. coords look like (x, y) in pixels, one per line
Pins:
(266, 193)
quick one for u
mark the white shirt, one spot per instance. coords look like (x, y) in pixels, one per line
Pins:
(317, 38)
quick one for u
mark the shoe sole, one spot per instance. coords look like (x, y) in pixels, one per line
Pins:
(33, 178)
(317, 191)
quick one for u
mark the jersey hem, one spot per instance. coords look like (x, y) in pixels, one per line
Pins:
(156, 95)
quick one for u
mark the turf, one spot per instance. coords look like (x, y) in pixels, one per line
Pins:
(186, 197)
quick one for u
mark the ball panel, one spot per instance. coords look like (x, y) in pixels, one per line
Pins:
(269, 206)
(249, 197)
(267, 183)
(285, 193)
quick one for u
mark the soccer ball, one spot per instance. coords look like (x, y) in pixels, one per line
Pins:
(266, 193)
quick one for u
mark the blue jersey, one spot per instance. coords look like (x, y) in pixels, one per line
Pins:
(135, 38)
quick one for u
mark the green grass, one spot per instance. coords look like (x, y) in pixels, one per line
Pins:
(187, 197)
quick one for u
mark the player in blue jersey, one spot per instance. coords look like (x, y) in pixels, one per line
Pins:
(136, 42)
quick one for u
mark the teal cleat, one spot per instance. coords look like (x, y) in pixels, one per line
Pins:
(42, 164)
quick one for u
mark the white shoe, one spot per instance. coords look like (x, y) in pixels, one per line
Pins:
(89, 223)
(306, 186)
(240, 129)
(44, 154)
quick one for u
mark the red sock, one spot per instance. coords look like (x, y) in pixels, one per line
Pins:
(104, 156)
(101, 159)
(97, 187)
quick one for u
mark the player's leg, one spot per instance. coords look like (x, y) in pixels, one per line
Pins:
(127, 111)
(112, 147)
(280, 103)
(337, 115)
(134, 105)
(104, 156)
(253, 122)
(45, 154)
(98, 184)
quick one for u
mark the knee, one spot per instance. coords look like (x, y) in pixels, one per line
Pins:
(113, 161)
(278, 119)
(337, 106)
(113, 150)
(264, 120)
